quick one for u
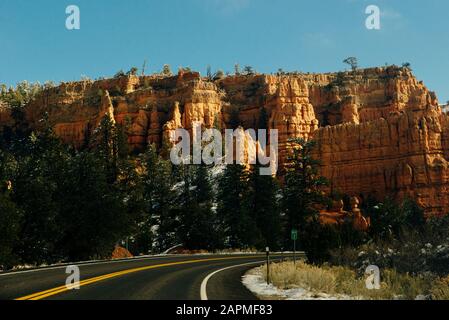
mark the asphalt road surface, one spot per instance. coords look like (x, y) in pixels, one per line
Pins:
(175, 277)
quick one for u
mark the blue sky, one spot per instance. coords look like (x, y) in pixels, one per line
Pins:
(301, 35)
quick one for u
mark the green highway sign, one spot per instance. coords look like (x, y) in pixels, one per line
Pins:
(294, 234)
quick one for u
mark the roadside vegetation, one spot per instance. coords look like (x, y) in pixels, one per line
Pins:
(411, 252)
(344, 283)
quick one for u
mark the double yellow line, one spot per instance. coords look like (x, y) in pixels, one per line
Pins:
(51, 292)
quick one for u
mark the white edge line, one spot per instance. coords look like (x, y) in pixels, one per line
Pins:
(203, 289)
(93, 263)
(138, 258)
(82, 264)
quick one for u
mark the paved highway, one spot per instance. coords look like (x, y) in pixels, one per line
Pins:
(176, 277)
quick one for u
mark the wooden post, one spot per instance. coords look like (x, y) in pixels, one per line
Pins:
(268, 265)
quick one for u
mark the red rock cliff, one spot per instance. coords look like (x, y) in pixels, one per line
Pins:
(379, 131)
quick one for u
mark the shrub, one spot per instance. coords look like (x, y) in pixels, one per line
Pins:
(318, 240)
(413, 252)
(119, 74)
(132, 72)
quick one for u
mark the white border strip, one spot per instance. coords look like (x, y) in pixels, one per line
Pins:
(203, 290)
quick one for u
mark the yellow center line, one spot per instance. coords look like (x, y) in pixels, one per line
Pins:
(51, 292)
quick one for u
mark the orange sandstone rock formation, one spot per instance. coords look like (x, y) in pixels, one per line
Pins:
(337, 215)
(379, 131)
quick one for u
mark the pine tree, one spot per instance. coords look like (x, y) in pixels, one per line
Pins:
(209, 73)
(94, 217)
(235, 222)
(10, 215)
(105, 144)
(353, 62)
(302, 187)
(158, 195)
(122, 146)
(261, 203)
(36, 190)
(110, 145)
(131, 188)
(198, 221)
(263, 207)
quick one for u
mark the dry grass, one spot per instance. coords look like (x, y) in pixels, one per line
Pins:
(440, 291)
(286, 276)
(343, 281)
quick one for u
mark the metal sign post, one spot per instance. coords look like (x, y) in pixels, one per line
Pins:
(294, 238)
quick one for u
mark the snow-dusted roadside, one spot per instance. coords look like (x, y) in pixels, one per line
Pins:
(27, 267)
(255, 282)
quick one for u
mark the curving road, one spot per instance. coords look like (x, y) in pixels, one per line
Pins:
(193, 277)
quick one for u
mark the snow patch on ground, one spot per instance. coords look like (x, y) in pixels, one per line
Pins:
(255, 282)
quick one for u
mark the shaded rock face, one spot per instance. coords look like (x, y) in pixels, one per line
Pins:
(379, 131)
(336, 215)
